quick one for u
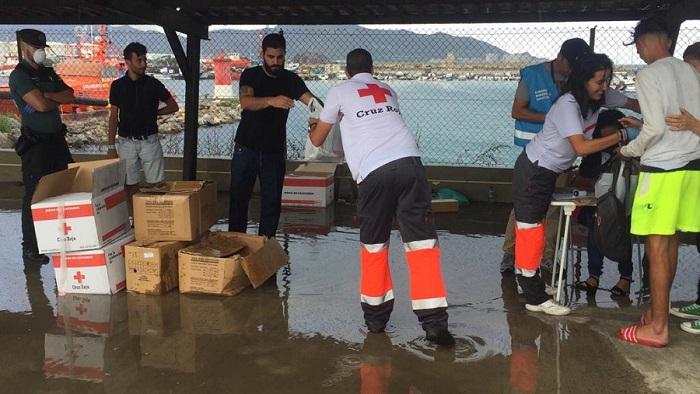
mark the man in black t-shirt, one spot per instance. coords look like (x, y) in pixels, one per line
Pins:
(267, 93)
(135, 103)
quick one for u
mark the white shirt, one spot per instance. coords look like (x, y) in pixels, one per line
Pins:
(372, 129)
(551, 147)
(663, 88)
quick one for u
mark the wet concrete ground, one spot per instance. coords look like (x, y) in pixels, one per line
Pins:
(303, 332)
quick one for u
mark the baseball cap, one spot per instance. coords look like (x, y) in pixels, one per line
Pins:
(33, 37)
(574, 49)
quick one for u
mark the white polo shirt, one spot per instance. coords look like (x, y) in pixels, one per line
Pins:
(372, 129)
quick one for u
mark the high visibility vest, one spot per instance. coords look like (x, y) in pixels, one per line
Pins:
(542, 91)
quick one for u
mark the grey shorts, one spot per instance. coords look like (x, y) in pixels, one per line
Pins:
(142, 154)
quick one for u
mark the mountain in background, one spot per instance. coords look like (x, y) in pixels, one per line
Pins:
(324, 42)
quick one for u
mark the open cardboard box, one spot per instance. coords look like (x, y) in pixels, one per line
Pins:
(310, 185)
(226, 263)
(81, 208)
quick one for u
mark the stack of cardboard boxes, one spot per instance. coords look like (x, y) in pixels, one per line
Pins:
(167, 219)
(81, 220)
(174, 248)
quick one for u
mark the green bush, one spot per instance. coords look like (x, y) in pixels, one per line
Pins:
(5, 124)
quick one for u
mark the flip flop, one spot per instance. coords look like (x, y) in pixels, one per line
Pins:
(629, 334)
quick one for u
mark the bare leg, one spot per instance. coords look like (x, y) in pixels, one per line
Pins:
(663, 259)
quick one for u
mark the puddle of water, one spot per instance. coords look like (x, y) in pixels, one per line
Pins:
(303, 332)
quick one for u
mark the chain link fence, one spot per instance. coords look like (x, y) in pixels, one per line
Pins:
(455, 84)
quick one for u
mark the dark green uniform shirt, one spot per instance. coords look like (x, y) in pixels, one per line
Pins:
(24, 79)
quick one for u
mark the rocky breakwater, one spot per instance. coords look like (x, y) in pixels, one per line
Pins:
(87, 129)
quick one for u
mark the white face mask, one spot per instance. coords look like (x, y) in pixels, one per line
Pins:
(39, 56)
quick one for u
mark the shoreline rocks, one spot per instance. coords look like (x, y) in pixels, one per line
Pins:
(92, 130)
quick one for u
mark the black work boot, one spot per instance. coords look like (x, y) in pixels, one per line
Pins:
(440, 336)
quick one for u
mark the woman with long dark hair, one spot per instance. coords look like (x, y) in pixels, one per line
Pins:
(566, 134)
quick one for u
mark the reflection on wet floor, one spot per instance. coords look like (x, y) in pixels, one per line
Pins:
(303, 331)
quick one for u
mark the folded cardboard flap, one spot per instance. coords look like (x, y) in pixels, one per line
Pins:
(96, 177)
(56, 184)
(216, 246)
(262, 264)
(177, 187)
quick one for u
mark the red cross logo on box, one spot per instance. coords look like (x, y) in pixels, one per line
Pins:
(81, 308)
(66, 228)
(79, 277)
(377, 92)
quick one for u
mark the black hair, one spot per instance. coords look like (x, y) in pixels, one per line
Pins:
(359, 61)
(607, 118)
(652, 25)
(275, 41)
(134, 47)
(692, 52)
(583, 71)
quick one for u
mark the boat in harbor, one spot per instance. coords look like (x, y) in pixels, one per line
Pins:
(89, 69)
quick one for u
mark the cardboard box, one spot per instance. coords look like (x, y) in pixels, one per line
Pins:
(94, 314)
(310, 185)
(176, 352)
(444, 205)
(81, 208)
(226, 263)
(151, 267)
(99, 271)
(308, 220)
(153, 316)
(176, 211)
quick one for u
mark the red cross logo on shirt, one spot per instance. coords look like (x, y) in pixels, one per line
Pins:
(378, 93)
(66, 229)
(79, 277)
(81, 309)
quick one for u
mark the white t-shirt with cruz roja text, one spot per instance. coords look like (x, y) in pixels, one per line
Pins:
(372, 128)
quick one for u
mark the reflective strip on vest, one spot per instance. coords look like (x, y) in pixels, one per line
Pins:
(375, 248)
(374, 301)
(419, 245)
(524, 135)
(429, 303)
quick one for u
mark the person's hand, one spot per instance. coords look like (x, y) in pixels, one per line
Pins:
(682, 122)
(282, 102)
(630, 121)
(112, 153)
(619, 155)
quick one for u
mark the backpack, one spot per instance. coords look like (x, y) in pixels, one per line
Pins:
(612, 225)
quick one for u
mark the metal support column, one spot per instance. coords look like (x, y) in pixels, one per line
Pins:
(189, 159)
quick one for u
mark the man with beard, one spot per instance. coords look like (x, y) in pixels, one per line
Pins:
(267, 93)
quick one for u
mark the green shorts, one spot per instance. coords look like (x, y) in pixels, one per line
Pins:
(666, 202)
